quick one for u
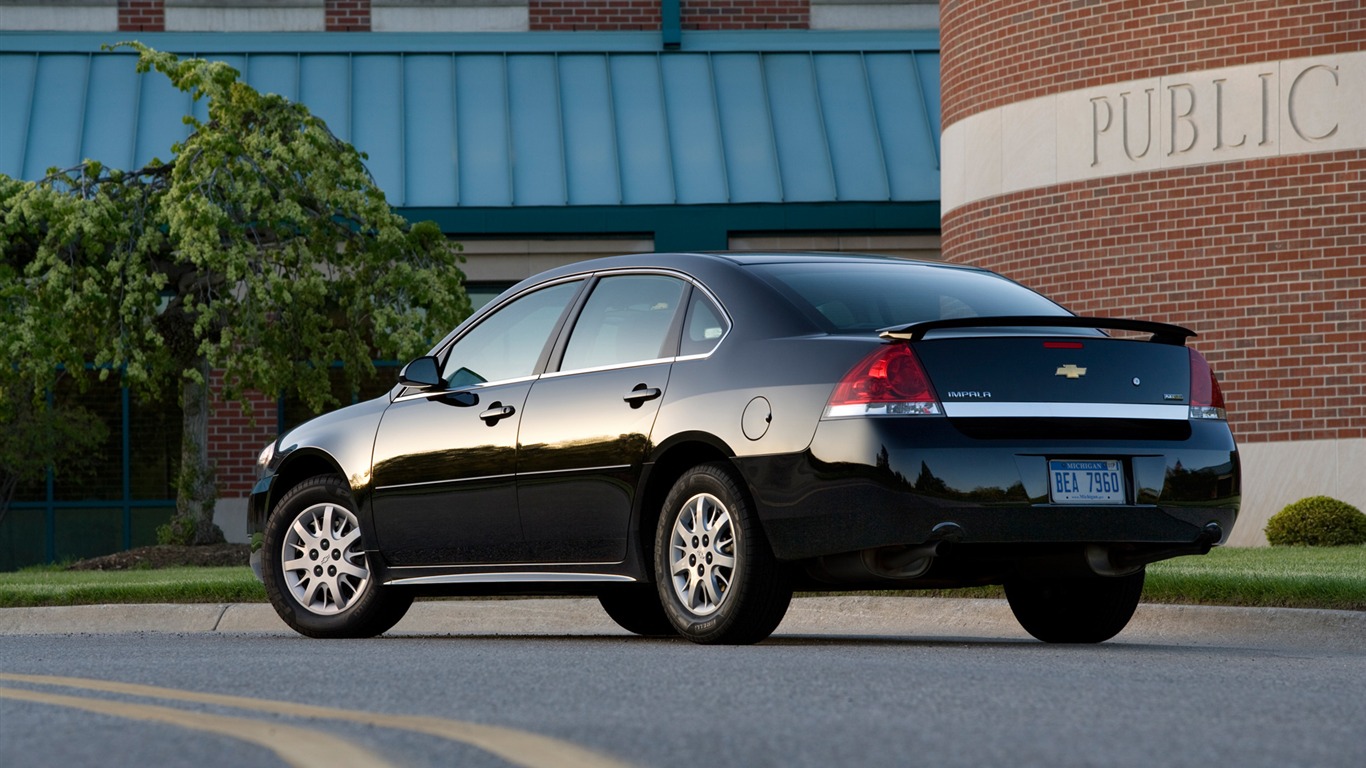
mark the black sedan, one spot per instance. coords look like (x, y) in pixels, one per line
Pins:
(693, 437)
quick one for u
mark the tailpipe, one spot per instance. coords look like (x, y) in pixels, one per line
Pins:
(1113, 561)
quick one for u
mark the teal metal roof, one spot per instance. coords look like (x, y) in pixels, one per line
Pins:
(532, 120)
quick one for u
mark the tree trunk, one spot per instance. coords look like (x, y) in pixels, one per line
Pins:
(197, 490)
(8, 482)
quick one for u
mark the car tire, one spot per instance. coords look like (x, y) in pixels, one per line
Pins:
(718, 580)
(314, 565)
(637, 609)
(1077, 610)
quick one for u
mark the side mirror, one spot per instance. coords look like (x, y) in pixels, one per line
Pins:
(422, 373)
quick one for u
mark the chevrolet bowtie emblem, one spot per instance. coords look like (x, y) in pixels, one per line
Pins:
(1071, 371)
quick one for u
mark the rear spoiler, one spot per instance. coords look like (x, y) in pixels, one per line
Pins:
(1162, 333)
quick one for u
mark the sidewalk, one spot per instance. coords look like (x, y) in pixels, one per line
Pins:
(934, 619)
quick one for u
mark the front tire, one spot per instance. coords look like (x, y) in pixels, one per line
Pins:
(315, 567)
(718, 581)
(1078, 610)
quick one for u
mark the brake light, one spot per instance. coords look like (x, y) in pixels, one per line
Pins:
(1207, 399)
(888, 382)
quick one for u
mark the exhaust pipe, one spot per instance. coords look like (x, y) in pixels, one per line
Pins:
(1104, 561)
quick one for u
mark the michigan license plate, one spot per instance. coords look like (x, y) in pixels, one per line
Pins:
(1086, 482)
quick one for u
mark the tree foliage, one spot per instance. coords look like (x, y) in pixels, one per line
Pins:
(38, 436)
(261, 249)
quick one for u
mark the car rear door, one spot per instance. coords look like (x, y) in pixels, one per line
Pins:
(585, 433)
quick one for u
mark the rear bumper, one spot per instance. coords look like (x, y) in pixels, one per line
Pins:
(869, 483)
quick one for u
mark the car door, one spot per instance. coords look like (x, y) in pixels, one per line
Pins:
(585, 433)
(445, 460)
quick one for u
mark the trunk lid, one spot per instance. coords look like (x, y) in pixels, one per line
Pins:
(1004, 376)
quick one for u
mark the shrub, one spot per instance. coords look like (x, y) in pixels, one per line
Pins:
(180, 531)
(1318, 521)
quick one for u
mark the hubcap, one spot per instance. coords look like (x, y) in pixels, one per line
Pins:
(322, 559)
(702, 554)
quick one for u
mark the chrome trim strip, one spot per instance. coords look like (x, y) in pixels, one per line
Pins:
(978, 410)
(448, 481)
(612, 367)
(430, 393)
(519, 577)
(575, 470)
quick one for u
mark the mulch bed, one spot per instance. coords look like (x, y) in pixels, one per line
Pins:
(167, 556)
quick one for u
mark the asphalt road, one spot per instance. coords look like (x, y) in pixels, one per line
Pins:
(845, 681)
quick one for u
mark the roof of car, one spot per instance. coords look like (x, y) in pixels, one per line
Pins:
(793, 257)
(739, 258)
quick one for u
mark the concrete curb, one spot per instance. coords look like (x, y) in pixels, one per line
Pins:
(904, 618)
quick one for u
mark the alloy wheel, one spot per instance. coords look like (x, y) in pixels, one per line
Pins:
(702, 560)
(322, 560)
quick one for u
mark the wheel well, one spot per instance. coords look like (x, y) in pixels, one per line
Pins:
(666, 470)
(296, 470)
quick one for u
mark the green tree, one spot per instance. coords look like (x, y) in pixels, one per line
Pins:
(261, 249)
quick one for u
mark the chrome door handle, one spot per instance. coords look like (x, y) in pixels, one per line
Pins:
(496, 412)
(641, 394)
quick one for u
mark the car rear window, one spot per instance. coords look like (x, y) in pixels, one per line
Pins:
(865, 296)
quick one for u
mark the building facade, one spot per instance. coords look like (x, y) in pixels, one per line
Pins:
(1195, 162)
(1201, 163)
(534, 133)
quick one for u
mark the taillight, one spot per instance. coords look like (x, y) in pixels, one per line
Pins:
(888, 382)
(1207, 400)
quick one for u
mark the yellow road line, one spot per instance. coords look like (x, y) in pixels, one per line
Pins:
(299, 747)
(523, 748)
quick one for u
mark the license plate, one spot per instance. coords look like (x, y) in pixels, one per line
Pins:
(1087, 481)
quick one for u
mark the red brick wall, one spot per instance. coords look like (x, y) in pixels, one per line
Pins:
(142, 15)
(1273, 278)
(235, 439)
(746, 14)
(997, 52)
(601, 15)
(348, 16)
(1265, 258)
(614, 15)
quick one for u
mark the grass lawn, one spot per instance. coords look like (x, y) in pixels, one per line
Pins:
(48, 586)
(1283, 577)
(1294, 577)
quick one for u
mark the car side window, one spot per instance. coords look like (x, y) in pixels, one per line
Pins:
(627, 319)
(508, 343)
(703, 327)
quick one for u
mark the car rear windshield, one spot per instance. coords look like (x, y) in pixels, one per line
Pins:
(854, 297)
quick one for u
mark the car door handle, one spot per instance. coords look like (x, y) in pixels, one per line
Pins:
(496, 412)
(641, 394)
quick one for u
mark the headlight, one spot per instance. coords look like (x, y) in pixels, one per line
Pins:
(263, 461)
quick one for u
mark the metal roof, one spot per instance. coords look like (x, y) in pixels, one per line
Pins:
(525, 120)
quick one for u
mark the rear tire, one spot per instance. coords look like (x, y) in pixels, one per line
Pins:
(718, 580)
(637, 609)
(315, 567)
(1078, 610)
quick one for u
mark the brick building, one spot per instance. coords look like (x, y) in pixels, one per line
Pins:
(1199, 163)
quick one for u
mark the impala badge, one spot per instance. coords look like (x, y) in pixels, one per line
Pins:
(1071, 371)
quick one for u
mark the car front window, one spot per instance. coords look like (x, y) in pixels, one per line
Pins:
(508, 343)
